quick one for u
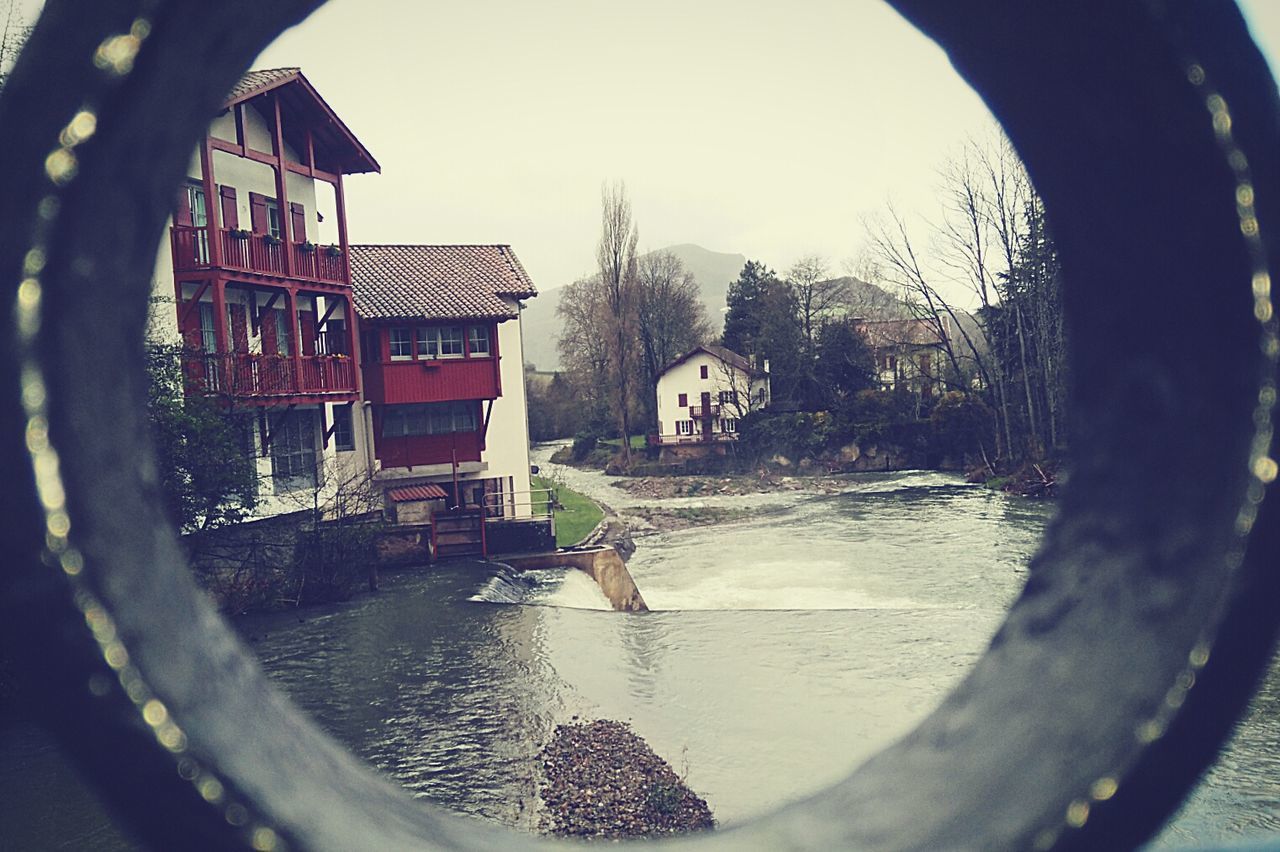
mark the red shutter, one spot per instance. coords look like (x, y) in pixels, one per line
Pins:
(191, 328)
(267, 322)
(258, 212)
(239, 328)
(230, 213)
(308, 320)
(298, 222)
(182, 212)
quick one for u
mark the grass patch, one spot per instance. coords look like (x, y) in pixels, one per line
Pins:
(576, 515)
(638, 442)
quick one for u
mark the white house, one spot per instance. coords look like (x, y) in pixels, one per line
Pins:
(260, 304)
(704, 393)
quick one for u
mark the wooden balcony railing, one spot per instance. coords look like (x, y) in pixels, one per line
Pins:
(259, 253)
(250, 375)
(700, 411)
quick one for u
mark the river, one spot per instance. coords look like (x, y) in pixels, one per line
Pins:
(783, 649)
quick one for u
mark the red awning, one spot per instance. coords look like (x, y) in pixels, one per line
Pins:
(416, 492)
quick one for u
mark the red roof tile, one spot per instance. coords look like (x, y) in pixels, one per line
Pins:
(416, 492)
(437, 282)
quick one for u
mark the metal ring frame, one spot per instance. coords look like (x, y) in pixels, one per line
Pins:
(1153, 133)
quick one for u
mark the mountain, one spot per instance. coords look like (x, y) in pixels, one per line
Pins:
(711, 269)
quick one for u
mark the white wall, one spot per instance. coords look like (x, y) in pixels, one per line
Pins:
(507, 443)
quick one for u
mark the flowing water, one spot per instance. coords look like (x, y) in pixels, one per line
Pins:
(783, 649)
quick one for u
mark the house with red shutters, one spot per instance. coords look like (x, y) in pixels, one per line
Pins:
(702, 395)
(443, 377)
(259, 295)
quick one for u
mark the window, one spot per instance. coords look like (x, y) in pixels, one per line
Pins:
(370, 351)
(683, 400)
(729, 397)
(200, 219)
(294, 465)
(703, 371)
(282, 333)
(728, 424)
(401, 344)
(440, 342)
(436, 418)
(344, 437)
(273, 218)
(478, 340)
(208, 335)
(684, 427)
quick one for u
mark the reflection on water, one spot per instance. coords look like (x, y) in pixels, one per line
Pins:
(784, 649)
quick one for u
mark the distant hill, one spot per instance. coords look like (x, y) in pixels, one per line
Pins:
(712, 270)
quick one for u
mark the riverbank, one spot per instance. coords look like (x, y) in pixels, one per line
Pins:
(603, 781)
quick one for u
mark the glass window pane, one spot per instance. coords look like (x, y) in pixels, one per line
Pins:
(479, 342)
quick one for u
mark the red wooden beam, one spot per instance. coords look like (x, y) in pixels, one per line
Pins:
(256, 314)
(331, 306)
(240, 137)
(185, 308)
(282, 195)
(212, 205)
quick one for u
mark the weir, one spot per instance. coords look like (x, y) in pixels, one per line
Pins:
(602, 563)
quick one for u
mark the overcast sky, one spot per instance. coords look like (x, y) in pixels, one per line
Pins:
(740, 126)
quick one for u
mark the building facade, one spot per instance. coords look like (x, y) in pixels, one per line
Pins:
(908, 353)
(704, 393)
(260, 306)
(444, 409)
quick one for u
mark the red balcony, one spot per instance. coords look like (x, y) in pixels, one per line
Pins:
(438, 380)
(260, 253)
(697, 412)
(244, 375)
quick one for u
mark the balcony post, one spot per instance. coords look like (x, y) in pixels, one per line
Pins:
(282, 194)
(295, 339)
(353, 338)
(340, 201)
(212, 204)
(220, 332)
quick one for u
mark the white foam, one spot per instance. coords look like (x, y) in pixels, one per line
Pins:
(576, 590)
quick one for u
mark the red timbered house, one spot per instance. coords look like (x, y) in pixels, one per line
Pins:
(263, 308)
(443, 373)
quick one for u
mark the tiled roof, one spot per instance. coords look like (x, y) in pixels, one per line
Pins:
(428, 491)
(728, 356)
(445, 282)
(884, 334)
(264, 79)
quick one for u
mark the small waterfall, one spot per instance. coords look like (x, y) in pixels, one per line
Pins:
(562, 587)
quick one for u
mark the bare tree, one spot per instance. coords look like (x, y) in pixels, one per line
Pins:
(585, 345)
(670, 318)
(616, 259)
(817, 293)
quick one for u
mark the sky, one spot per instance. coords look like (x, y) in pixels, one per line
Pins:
(738, 125)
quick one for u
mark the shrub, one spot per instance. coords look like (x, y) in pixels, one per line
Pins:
(584, 444)
(961, 426)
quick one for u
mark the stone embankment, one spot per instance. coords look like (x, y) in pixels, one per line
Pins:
(601, 780)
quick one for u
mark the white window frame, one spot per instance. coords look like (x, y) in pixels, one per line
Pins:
(478, 334)
(431, 342)
(405, 344)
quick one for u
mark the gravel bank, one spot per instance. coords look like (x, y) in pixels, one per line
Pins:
(601, 780)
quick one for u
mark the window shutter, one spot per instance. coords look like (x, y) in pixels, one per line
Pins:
(230, 214)
(267, 322)
(239, 328)
(182, 212)
(298, 222)
(258, 212)
(308, 320)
